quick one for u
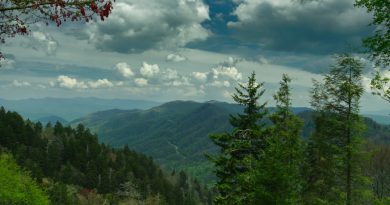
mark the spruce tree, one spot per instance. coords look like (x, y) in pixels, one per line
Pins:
(243, 144)
(334, 173)
(278, 177)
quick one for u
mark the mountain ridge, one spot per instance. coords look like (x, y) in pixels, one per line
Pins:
(176, 133)
(70, 108)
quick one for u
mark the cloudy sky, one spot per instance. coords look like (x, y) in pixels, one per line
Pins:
(164, 50)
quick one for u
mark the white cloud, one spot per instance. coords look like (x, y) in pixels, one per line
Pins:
(152, 24)
(220, 84)
(17, 83)
(141, 82)
(170, 74)
(124, 69)
(175, 57)
(200, 76)
(6, 63)
(101, 83)
(385, 73)
(226, 83)
(71, 83)
(366, 80)
(44, 42)
(149, 70)
(226, 94)
(183, 81)
(230, 72)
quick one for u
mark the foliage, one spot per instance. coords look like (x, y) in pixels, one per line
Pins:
(185, 125)
(16, 16)
(277, 173)
(381, 86)
(334, 164)
(76, 169)
(379, 170)
(379, 44)
(239, 148)
(16, 186)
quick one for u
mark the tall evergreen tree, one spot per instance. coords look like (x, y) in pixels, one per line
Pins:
(334, 172)
(278, 178)
(245, 142)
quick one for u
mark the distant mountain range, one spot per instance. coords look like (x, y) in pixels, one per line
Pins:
(70, 108)
(176, 134)
(52, 119)
(381, 119)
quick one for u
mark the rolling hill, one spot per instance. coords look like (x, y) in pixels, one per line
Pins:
(175, 134)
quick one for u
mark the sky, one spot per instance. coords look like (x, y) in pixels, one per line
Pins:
(163, 50)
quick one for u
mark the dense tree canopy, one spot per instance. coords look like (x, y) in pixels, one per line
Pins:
(16, 186)
(74, 166)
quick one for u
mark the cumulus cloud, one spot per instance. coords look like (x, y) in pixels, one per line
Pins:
(73, 83)
(230, 62)
(69, 82)
(6, 63)
(101, 83)
(124, 69)
(366, 80)
(309, 26)
(141, 82)
(182, 81)
(226, 94)
(230, 72)
(200, 76)
(149, 70)
(17, 83)
(175, 58)
(45, 42)
(220, 84)
(170, 74)
(223, 75)
(138, 25)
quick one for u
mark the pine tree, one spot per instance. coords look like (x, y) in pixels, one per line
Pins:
(242, 145)
(278, 178)
(334, 172)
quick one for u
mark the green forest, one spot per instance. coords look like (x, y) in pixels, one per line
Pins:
(263, 160)
(328, 154)
(53, 164)
(272, 164)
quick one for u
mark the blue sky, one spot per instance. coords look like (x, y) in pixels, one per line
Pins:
(199, 50)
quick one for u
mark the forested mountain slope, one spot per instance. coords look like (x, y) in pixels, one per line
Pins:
(74, 168)
(175, 134)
